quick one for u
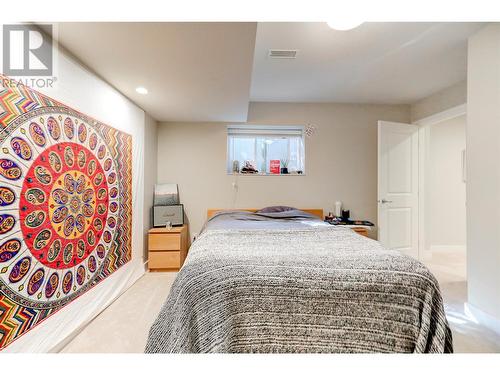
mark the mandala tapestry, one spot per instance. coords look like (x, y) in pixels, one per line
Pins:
(65, 206)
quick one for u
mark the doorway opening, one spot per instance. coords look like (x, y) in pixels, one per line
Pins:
(421, 188)
(442, 192)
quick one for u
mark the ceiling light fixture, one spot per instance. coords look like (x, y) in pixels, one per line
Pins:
(141, 90)
(344, 25)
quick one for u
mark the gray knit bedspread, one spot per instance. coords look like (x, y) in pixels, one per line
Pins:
(318, 289)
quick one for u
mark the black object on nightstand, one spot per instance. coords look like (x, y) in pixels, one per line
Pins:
(341, 221)
(361, 227)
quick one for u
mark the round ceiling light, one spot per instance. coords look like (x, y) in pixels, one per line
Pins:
(141, 90)
(344, 25)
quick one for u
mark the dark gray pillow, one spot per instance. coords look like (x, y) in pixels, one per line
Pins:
(271, 209)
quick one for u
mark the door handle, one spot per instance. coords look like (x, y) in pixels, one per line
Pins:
(384, 201)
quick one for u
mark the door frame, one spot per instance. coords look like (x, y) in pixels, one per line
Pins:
(424, 125)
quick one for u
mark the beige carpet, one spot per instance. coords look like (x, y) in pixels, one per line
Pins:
(123, 327)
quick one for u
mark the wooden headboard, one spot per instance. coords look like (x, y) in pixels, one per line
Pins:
(313, 211)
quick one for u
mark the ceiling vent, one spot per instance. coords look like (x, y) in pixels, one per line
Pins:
(283, 53)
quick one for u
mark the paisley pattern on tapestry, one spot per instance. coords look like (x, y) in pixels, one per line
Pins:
(65, 206)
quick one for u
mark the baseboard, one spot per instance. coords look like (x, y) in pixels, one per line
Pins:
(447, 248)
(482, 318)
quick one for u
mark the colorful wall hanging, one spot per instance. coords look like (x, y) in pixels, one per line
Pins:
(65, 206)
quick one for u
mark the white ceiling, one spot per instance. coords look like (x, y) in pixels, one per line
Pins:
(209, 71)
(193, 71)
(374, 63)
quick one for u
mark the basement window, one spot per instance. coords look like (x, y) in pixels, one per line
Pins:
(265, 150)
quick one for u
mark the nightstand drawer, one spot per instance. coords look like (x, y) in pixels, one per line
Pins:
(164, 241)
(167, 248)
(165, 259)
(361, 231)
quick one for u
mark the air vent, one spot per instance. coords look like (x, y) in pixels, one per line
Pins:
(283, 53)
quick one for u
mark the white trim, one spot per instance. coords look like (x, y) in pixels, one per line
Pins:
(423, 153)
(254, 131)
(482, 317)
(279, 130)
(448, 114)
(447, 248)
(427, 252)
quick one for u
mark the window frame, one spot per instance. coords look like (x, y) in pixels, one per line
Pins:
(256, 131)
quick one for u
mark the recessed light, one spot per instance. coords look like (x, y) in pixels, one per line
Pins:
(141, 90)
(344, 25)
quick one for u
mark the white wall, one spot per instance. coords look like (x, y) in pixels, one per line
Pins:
(82, 90)
(483, 170)
(150, 169)
(445, 188)
(341, 161)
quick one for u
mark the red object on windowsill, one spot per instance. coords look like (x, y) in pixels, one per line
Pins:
(274, 166)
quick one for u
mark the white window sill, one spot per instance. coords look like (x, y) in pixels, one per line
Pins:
(265, 174)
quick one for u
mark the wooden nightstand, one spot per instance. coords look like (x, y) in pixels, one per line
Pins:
(167, 248)
(361, 230)
(361, 227)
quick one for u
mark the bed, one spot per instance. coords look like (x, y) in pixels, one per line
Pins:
(286, 282)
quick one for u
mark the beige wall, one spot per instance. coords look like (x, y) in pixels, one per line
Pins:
(445, 99)
(341, 161)
(483, 172)
(150, 163)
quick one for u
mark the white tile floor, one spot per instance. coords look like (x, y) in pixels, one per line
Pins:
(123, 326)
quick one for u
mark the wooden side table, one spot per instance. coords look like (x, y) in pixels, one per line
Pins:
(361, 230)
(167, 248)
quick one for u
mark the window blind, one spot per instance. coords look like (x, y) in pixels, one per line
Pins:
(265, 130)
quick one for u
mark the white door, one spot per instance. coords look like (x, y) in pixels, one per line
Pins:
(398, 186)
